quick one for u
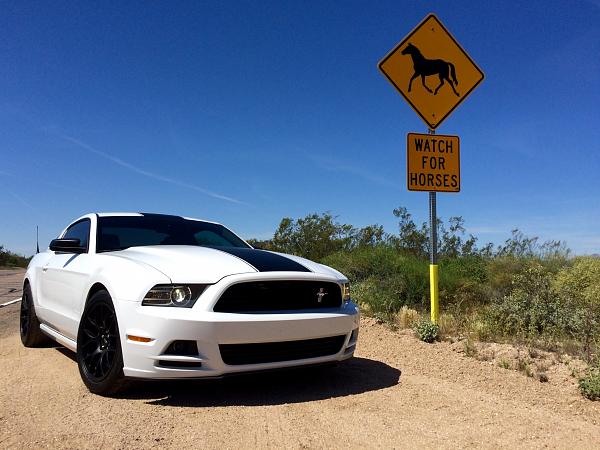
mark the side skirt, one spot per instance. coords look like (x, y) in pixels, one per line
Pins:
(63, 340)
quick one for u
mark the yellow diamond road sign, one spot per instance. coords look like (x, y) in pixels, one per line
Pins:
(431, 71)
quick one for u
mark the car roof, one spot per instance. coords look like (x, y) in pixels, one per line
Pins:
(145, 214)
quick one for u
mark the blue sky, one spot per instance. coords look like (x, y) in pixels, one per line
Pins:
(244, 113)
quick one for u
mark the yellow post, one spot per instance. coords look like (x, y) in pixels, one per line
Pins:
(433, 285)
(433, 268)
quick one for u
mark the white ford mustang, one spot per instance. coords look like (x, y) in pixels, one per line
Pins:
(159, 296)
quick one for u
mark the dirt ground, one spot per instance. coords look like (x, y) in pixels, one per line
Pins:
(397, 392)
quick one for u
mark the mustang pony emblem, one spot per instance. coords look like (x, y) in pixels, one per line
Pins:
(321, 294)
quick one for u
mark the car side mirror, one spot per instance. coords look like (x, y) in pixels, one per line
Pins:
(67, 246)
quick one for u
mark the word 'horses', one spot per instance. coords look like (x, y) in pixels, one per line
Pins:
(425, 67)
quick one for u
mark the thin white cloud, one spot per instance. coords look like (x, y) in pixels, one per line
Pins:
(146, 173)
(21, 200)
(335, 165)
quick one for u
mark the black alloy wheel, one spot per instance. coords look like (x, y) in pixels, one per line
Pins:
(99, 343)
(98, 346)
(25, 318)
(29, 326)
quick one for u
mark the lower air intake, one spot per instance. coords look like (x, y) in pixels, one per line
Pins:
(269, 352)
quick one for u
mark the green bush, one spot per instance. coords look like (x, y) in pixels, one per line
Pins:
(463, 282)
(531, 309)
(590, 385)
(501, 272)
(362, 263)
(473, 268)
(383, 279)
(427, 331)
(375, 300)
(578, 286)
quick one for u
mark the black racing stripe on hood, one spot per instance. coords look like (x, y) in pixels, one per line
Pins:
(265, 261)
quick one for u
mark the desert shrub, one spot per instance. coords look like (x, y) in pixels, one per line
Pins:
(383, 278)
(578, 286)
(469, 348)
(362, 263)
(467, 267)
(468, 295)
(589, 385)
(427, 331)
(374, 299)
(531, 309)
(504, 363)
(314, 236)
(407, 317)
(383, 296)
(479, 326)
(501, 272)
(463, 282)
(448, 324)
(554, 264)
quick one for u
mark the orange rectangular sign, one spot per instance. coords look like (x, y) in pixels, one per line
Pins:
(433, 163)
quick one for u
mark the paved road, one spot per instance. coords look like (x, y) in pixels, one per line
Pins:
(11, 283)
(398, 392)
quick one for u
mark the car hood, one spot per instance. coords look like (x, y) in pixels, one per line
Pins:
(183, 263)
(191, 264)
(316, 267)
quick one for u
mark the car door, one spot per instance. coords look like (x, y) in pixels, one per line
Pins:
(63, 280)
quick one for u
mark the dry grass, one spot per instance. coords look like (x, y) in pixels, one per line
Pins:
(407, 317)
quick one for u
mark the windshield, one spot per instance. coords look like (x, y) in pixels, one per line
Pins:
(118, 233)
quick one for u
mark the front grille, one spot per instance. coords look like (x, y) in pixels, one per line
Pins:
(257, 296)
(237, 354)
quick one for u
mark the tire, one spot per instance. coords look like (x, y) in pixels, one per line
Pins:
(99, 354)
(29, 325)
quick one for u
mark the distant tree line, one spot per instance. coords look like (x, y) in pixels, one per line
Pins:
(10, 259)
(318, 235)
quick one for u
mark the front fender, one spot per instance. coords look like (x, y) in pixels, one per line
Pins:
(124, 280)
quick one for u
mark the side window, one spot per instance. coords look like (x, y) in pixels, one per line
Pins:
(79, 230)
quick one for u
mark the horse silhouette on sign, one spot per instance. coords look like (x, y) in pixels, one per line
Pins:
(425, 67)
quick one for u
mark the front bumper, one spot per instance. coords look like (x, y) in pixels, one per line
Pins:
(209, 329)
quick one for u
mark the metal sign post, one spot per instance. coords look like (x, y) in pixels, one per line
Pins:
(433, 267)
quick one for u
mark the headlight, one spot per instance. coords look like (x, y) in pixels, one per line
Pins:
(346, 292)
(181, 295)
(173, 295)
